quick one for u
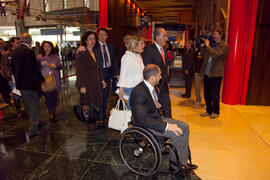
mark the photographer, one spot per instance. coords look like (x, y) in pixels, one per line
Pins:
(213, 70)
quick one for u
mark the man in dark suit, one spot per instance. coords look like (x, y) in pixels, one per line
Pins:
(145, 105)
(108, 66)
(157, 54)
(188, 68)
(28, 78)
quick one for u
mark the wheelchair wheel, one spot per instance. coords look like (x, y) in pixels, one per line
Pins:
(140, 151)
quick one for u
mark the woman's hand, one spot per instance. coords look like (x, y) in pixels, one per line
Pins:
(121, 93)
(103, 84)
(52, 65)
(43, 63)
(83, 90)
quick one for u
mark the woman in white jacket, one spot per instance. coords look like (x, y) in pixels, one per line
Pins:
(131, 71)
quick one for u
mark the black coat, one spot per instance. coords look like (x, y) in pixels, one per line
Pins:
(26, 69)
(151, 55)
(144, 110)
(188, 60)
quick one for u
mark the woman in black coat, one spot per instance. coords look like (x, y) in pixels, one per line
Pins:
(89, 77)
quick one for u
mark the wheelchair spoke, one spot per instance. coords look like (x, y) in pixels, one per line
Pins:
(139, 152)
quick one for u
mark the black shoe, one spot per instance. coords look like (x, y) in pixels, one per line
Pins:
(192, 166)
(101, 124)
(91, 126)
(33, 133)
(185, 96)
(182, 170)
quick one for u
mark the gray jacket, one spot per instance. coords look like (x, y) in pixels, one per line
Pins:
(219, 57)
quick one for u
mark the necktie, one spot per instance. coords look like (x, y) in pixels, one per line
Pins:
(162, 54)
(155, 96)
(106, 58)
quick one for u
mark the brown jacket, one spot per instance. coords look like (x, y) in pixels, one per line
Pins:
(219, 57)
(88, 71)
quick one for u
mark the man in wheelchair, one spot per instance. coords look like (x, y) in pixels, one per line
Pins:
(145, 108)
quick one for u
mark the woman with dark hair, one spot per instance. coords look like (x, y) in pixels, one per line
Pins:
(89, 77)
(50, 62)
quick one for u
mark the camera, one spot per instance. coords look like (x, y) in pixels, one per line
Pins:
(200, 41)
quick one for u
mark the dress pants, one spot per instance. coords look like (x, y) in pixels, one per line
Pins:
(181, 142)
(32, 105)
(198, 81)
(165, 98)
(50, 99)
(211, 93)
(107, 75)
(188, 83)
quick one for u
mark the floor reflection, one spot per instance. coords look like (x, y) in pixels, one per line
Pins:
(67, 151)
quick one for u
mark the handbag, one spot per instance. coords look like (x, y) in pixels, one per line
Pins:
(86, 113)
(49, 83)
(119, 119)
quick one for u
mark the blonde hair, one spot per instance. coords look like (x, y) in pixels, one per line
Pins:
(134, 42)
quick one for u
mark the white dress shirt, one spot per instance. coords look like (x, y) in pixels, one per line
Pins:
(159, 48)
(108, 53)
(151, 88)
(131, 72)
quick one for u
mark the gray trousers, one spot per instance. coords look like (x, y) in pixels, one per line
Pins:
(181, 142)
(32, 105)
(198, 81)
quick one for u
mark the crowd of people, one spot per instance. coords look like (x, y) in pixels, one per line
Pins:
(140, 74)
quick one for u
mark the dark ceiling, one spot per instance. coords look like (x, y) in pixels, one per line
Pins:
(165, 11)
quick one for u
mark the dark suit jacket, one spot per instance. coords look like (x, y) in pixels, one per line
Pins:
(121, 54)
(188, 60)
(151, 55)
(114, 66)
(26, 69)
(88, 71)
(144, 111)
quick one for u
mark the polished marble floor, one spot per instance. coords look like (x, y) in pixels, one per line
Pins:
(234, 146)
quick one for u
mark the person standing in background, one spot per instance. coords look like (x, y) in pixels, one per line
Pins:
(123, 49)
(213, 70)
(108, 66)
(157, 54)
(50, 63)
(6, 65)
(188, 68)
(28, 80)
(36, 48)
(198, 59)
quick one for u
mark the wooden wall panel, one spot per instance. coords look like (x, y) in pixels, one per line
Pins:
(259, 79)
(122, 20)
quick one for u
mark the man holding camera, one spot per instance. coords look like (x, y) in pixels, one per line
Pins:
(213, 70)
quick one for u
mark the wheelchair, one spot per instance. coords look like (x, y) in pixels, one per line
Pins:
(141, 151)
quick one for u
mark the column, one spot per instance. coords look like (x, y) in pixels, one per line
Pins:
(103, 13)
(240, 39)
